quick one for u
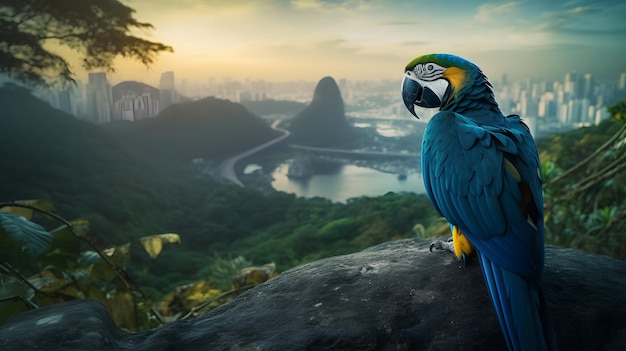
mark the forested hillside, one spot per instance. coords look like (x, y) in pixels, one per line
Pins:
(209, 128)
(274, 107)
(85, 172)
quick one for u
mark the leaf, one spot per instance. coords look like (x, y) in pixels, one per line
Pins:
(65, 250)
(23, 235)
(28, 212)
(254, 275)
(102, 272)
(154, 244)
(122, 310)
(185, 297)
(88, 258)
(81, 226)
(49, 279)
(118, 255)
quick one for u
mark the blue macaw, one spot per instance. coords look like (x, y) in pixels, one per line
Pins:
(482, 173)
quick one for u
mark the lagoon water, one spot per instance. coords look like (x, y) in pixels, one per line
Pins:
(347, 181)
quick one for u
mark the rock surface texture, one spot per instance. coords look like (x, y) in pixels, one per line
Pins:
(394, 296)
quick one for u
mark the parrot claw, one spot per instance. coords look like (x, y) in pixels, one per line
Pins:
(442, 245)
(447, 245)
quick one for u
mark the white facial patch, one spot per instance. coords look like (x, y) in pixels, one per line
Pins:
(428, 71)
(438, 87)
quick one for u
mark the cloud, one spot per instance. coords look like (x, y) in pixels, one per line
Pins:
(581, 10)
(399, 23)
(585, 20)
(333, 6)
(486, 12)
(415, 43)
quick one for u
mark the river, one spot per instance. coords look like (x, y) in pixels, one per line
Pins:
(346, 181)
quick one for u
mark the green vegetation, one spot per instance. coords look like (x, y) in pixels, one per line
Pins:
(98, 30)
(40, 266)
(586, 186)
(274, 107)
(209, 128)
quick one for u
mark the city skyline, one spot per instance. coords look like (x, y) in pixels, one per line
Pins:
(279, 40)
(574, 100)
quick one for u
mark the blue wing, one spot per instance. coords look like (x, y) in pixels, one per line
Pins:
(486, 180)
(465, 172)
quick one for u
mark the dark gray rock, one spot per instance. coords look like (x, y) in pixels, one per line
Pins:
(394, 296)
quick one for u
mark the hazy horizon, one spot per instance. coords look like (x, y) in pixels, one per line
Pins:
(280, 40)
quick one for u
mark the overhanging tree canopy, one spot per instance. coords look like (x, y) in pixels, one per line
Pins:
(99, 30)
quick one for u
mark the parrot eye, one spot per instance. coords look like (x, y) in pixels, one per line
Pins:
(428, 71)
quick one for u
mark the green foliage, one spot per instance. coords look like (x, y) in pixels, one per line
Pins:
(208, 128)
(585, 186)
(99, 30)
(315, 228)
(153, 244)
(274, 107)
(221, 270)
(343, 228)
(63, 271)
(17, 234)
(618, 111)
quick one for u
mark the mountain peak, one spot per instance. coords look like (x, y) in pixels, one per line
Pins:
(323, 123)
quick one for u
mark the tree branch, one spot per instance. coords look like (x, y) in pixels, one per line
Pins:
(16, 273)
(607, 169)
(587, 160)
(597, 180)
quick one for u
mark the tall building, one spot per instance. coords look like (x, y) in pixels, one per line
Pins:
(588, 86)
(133, 101)
(167, 88)
(64, 97)
(622, 81)
(99, 98)
(574, 84)
(79, 99)
(574, 111)
(547, 105)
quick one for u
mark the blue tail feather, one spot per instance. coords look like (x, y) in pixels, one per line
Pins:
(520, 307)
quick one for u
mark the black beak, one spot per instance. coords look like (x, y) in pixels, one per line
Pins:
(411, 91)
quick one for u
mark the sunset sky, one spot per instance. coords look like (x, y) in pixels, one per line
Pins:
(283, 40)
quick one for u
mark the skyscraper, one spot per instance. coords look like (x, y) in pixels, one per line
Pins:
(64, 98)
(588, 86)
(167, 89)
(99, 98)
(133, 101)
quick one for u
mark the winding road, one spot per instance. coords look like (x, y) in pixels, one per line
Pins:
(226, 169)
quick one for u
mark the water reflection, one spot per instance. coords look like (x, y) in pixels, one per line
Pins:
(346, 181)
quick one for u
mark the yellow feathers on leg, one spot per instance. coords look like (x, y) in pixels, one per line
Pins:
(462, 246)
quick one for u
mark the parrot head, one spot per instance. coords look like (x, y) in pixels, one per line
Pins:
(435, 80)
